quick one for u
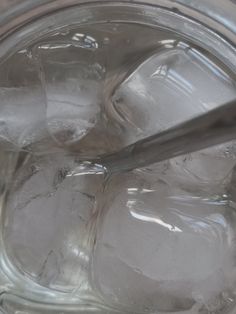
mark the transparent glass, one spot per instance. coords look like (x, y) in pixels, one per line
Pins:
(83, 78)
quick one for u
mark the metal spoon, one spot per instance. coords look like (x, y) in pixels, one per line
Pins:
(214, 127)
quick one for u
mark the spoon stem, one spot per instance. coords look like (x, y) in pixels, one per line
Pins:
(214, 127)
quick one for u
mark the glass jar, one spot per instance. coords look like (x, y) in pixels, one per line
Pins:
(81, 78)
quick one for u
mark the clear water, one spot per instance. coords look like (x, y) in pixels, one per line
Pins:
(156, 239)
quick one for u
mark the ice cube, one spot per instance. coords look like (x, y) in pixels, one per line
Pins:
(208, 171)
(72, 82)
(162, 249)
(176, 83)
(48, 227)
(23, 110)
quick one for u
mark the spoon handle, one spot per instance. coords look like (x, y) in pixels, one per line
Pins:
(214, 127)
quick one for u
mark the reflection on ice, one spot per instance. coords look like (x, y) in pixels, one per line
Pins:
(147, 218)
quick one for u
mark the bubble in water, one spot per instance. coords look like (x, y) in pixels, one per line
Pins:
(106, 40)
